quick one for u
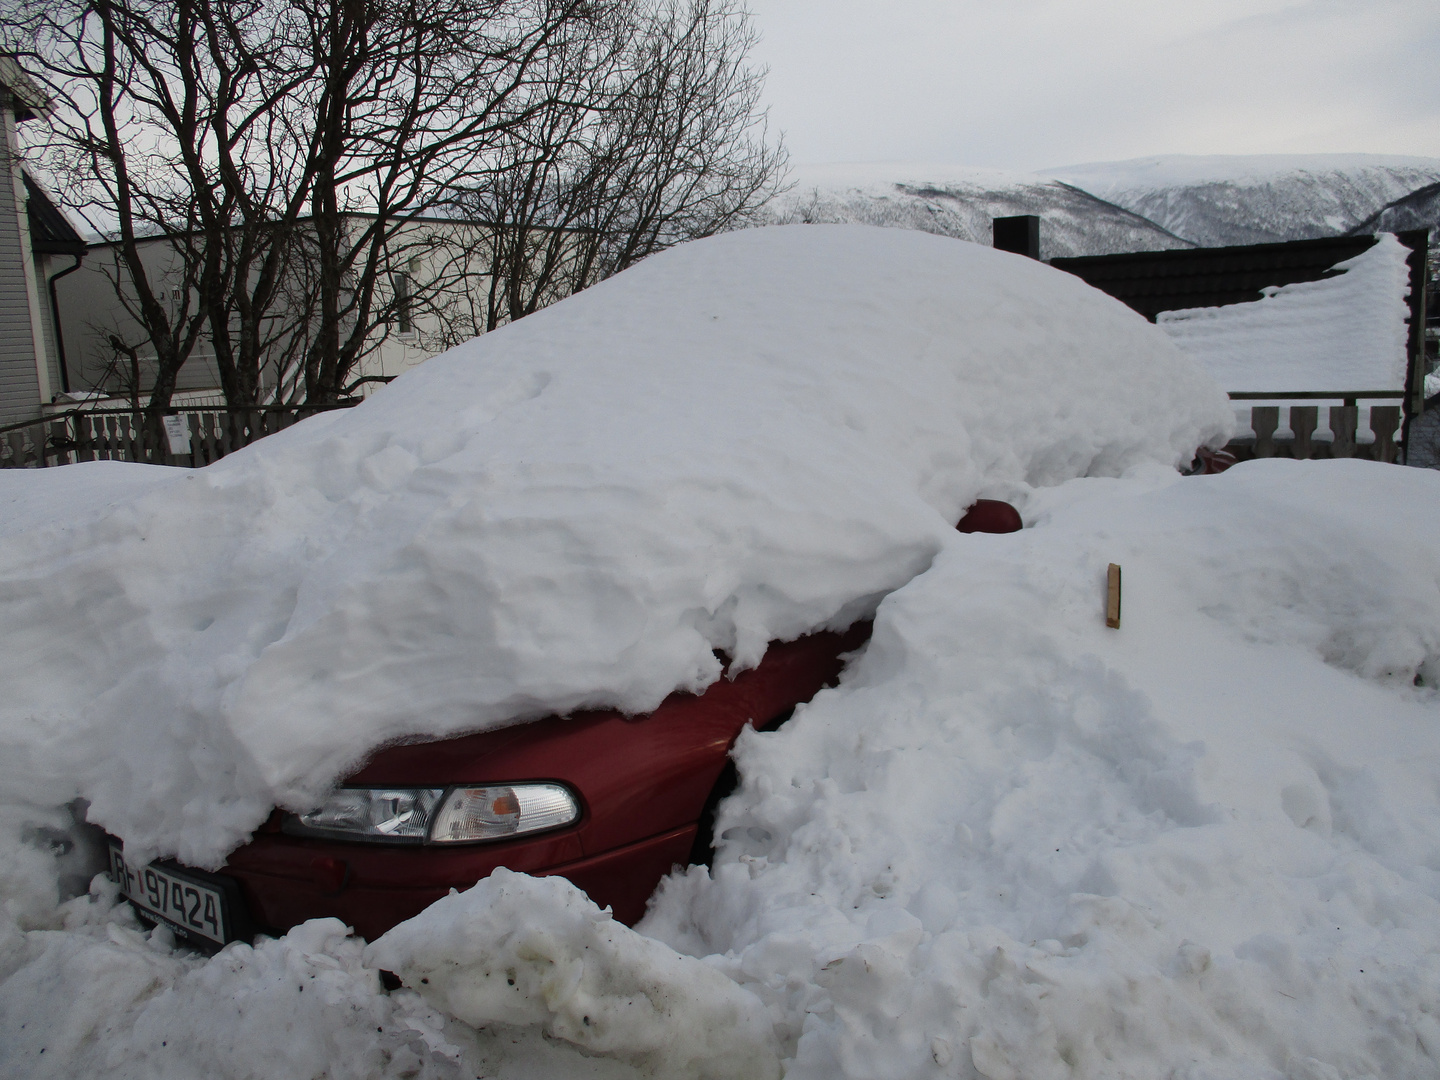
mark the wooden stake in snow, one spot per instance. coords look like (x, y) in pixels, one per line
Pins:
(1112, 597)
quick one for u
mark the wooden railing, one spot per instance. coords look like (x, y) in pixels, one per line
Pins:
(209, 434)
(185, 437)
(1264, 440)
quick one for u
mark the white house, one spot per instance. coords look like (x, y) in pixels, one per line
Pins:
(38, 249)
(91, 315)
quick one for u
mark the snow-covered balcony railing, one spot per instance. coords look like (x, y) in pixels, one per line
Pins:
(184, 437)
(1303, 438)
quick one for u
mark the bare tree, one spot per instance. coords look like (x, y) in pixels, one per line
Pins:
(119, 181)
(412, 96)
(651, 134)
(285, 150)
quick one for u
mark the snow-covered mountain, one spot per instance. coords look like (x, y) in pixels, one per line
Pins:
(1149, 204)
(1214, 201)
(1418, 210)
(962, 202)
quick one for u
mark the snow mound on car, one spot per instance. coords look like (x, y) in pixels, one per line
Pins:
(102, 999)
(739, 440)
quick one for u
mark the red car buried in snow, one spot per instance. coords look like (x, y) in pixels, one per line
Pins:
(609, 801)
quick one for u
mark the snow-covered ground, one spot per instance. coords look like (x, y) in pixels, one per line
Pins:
(1012, 843)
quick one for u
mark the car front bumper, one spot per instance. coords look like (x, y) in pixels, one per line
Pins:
(286, 880)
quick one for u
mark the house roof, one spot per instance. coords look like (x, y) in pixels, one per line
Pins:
(29, 99)
(1155, 281)
(50, 232)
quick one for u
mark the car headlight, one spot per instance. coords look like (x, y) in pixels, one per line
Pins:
(437, 815)
(490, 813)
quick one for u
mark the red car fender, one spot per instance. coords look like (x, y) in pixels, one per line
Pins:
(642, 783)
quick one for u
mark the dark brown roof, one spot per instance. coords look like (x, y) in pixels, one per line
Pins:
(50, 232)
(1156, 281)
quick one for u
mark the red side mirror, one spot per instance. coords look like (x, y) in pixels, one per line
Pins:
(1209, 462)
(991, 516)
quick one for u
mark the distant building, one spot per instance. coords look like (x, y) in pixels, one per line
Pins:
(93, 317)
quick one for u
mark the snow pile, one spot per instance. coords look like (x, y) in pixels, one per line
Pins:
(1011, 843)
(1341, 333)
(101, 999)
(536, 952)
(1018, 842)
(740, 440)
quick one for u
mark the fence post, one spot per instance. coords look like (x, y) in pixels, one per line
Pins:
(59, 437)
(197, 448)
(84, 438)
(1265, 419)
(1384, 419)
(1303, 421)
(1342, 426)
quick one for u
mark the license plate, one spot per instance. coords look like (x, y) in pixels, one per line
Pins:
(184, 903)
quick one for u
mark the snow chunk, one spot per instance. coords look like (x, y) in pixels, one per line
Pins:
(522, 950)
(112, 1002)
(740, 440)
(1341, 333)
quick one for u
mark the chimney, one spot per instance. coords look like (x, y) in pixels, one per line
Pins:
(1018, 234)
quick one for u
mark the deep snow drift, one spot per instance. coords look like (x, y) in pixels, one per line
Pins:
(1012, 843)
(1204, 845)
(740, 440)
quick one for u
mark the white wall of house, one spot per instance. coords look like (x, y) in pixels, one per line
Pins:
(25, 362)
(90, 313)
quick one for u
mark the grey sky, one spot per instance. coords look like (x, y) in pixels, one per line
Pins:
(1025, 84)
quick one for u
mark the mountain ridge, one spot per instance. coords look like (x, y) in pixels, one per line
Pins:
(1144, 204)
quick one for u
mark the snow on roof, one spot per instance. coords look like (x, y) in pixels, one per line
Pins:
(1346, 332)
(742, 439)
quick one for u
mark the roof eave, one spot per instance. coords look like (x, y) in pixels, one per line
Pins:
(30, 99)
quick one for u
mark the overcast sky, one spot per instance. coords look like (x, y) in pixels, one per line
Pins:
(1026, 84)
